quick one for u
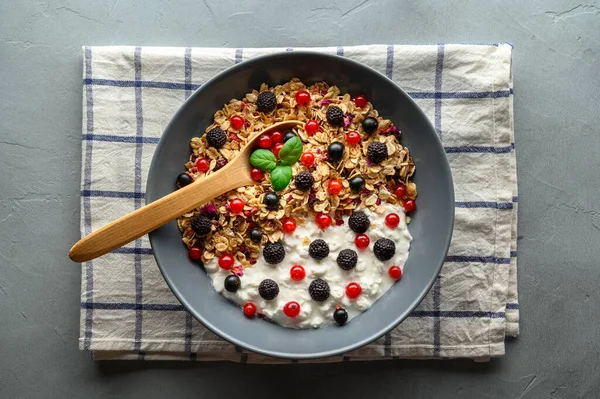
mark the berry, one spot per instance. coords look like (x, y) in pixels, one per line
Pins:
(377, 152)
(353, 290)
(274, 253)
(395, 272)
(340, 316)
(304, 181)
(266, 102)
(271, 200)
(277, 137)
(323, 220)
(257, 174)
(277, 148)
(392, 220)
(249, 309)
(291, 309)
(335, 116)
(236, 205)
(307, 159)
(359, 222)
(226, 262)
(384, 249)
(318, 249)
(220, 163)
(288, 135)
(361, 100)
(400, 191)
(370, 124)
(356, 184)
(264, 141)
(347, 259)
(184, 179)
(232, 283)
(297, 273)
(255, 235)
(302, 98)
(311, 127)
(352, 138)
(268, 289)
(236, 122)
(318, 290)
(335, 151)
(195, 253)
(334, 187)
(216, 138)
(362, 241)
(203, 164)
(288, 225)
(201, 225)
(410, 205)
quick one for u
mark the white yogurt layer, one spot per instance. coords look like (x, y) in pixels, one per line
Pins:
(370, 273)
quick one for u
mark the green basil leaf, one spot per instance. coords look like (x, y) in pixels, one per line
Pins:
(263, 160)
(281, 176)
(291, 151)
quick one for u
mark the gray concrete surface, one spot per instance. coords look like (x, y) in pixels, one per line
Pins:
(557, 86)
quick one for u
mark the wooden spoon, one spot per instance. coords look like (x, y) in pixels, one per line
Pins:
(150, 217)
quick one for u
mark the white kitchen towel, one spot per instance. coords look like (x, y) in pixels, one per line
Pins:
(131, 93)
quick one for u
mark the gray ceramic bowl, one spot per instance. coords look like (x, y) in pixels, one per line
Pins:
(431, 225)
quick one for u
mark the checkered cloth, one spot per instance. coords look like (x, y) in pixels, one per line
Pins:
(129, 96)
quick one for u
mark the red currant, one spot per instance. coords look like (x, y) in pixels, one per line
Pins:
(362, 241)
(392, 220)
(360, 100)
(203, 164)
(195, 253)
(236, 205)
(277, 148)
(291, 309)
(307, 159)
(226, 262)
(311, 127)
(352, 138)
(264, 141)
(400, 191)
(297, 273)
(257, 174)
(236, 122)
(303, 98)
(323, 220)
(334, 187)
(288, 225)
(395, 272)
(410, 205)
(249, 309)
(277, 137)
(353, 290)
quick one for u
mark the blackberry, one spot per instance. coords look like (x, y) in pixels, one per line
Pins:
(318, 290)
(347, 259)
(340, 316)
(274, 252)
(220, 163)
(266, 102)
(304, 181)
(370, 124)
(318, 249)
(335, 116)
(268, 289)
(377, 152)
(216, 138)
(201, 225)
(384, 249)
(232, 283)
(359, 222)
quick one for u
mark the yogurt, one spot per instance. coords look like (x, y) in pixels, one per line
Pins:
(370, 273)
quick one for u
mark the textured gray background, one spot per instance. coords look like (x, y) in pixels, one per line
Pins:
(557, 116)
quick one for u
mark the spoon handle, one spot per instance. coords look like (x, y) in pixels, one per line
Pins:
(158, 213)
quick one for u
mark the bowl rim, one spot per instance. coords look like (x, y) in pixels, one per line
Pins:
(322, 354)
